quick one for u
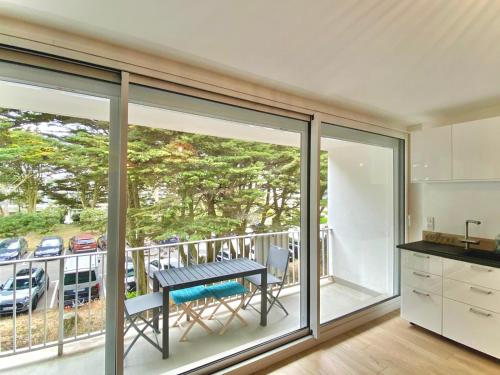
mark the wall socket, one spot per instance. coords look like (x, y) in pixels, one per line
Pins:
(430, 223)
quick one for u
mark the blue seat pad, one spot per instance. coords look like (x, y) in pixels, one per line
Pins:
(190, 294)
(227, 289)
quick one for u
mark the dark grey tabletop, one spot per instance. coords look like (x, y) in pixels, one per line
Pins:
(485, 258)
(185, 277)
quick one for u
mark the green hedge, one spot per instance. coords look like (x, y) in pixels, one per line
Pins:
(22, 223)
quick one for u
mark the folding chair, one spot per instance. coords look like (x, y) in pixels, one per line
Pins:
(185, 299)
(224, 290)
(277, 261)
(134, 309)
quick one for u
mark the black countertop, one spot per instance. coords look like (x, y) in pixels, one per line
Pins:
(485, 258)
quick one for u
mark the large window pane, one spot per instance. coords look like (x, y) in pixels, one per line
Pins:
(53, 209)
(360, 184)
(204, 188)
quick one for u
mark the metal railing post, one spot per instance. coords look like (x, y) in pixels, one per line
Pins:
(329, 250)
(60, 341)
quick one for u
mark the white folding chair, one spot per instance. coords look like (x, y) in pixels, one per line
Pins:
(222, 291)
(185, 299)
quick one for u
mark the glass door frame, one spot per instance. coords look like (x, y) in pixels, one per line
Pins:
(40, 77)
(349, 134)
(160, 98)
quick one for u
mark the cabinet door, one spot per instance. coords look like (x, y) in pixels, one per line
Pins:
(422, 262)
(475, 274)
(476, 150)
(422, 308)
(472, 326)
(431, 154)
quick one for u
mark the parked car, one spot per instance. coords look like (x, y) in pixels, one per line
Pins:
(224, 254)
(13, 248)
(154, 265)
(82, 243)
(39, 284)
(50, 246)
(169, 241)
(294, 248)
(102, 242)
(81, 281)
(130, 282)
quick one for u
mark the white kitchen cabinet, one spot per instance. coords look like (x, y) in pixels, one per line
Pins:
(472, 326)
(484, 298)
(476, 150)
(459, 300)
(475, 274)
(422, 262)
(422, 307)
(431, 154)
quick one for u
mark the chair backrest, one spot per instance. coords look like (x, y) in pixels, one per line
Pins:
(278, 259)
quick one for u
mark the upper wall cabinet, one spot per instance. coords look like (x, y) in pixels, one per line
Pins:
(431, 154)
(476, 150)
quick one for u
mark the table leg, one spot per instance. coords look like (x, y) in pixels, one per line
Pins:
(263, 298)
(156, 288)
(166, 313)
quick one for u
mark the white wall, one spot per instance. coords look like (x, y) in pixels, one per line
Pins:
(452, 203)
(360, 209)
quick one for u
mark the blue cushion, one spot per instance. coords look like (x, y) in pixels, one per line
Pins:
(189, 294)
(228, 289)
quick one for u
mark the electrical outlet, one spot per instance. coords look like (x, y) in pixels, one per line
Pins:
(430, 223)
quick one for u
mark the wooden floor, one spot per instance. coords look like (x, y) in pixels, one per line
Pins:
(388, 345)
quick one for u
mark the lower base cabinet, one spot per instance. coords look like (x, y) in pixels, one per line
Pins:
(422, 308)
(472, 326)
(458, 300)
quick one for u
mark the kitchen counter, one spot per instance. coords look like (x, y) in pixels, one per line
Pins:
(485, 258)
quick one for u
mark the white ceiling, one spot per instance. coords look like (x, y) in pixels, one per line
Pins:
(417, 61)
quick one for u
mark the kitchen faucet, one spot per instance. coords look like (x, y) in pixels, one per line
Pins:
(466, 240)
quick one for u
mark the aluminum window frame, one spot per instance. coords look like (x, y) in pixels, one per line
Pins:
(160, 98)
(40, 77)
(398, 146)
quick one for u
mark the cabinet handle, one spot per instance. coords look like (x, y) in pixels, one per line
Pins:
(479, 290)
(479, 312)
(420, 274)
(483, 269)
(421, 256)
(421, 293)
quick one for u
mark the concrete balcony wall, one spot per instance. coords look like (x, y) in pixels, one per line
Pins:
(361, 210)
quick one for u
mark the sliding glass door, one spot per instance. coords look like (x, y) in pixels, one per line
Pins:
(209, 184)
(54, 147)
(361, 216)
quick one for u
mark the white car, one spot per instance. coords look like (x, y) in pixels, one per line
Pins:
(154, 265)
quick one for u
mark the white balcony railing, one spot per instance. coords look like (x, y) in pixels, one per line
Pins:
(40, 320)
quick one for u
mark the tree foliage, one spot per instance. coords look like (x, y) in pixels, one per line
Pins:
(190, 185)
(22, 223)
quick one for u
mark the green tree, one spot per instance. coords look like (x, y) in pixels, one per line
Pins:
(26, 159)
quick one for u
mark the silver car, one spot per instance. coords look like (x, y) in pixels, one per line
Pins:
(39, 284)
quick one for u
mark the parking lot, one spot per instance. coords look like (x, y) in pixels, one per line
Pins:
(51, 266)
